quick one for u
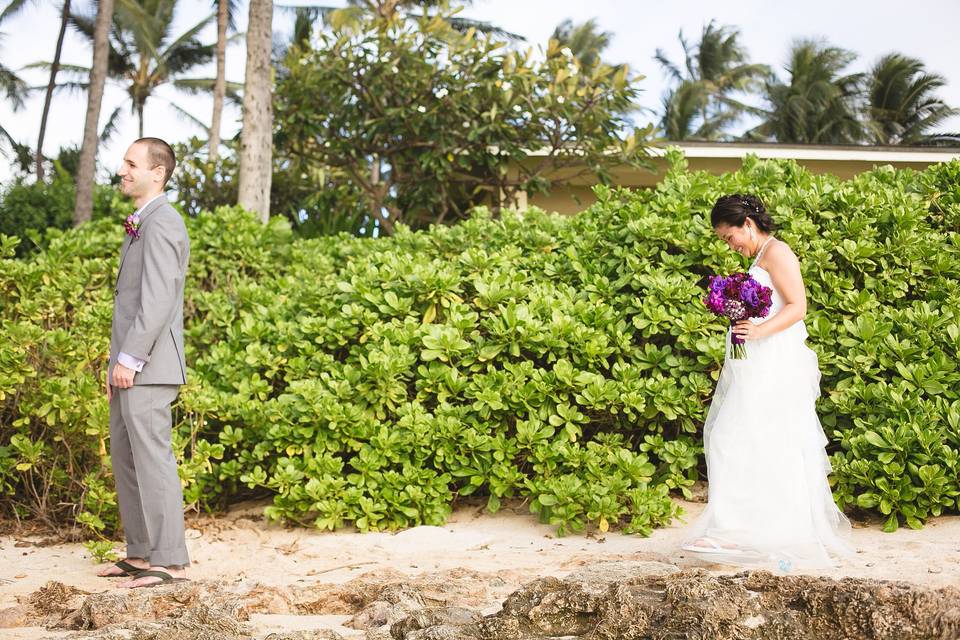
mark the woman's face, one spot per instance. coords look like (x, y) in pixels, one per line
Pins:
(740, 239)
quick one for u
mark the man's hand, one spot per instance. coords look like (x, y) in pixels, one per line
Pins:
(122, 376)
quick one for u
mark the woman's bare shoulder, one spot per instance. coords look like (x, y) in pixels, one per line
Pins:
(778, 254)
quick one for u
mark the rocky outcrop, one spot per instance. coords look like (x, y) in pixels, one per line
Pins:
(607, 601)
(695, 604)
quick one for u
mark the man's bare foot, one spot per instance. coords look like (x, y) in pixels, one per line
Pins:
(167, 574)
(114, 571)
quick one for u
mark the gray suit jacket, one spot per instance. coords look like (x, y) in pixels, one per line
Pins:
(148, 297)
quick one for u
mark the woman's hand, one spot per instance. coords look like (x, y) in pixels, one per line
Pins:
(746, 330)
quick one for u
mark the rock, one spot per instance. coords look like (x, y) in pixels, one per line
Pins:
(615, 600)
(441, 632)
(457, 587)
(314, 634)
(18, 616)
(395, 603)
(605, 572)
(409, 628)
(695, 604)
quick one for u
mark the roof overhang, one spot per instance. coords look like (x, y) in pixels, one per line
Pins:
(854, 153)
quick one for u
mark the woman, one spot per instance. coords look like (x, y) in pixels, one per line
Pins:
(769, 501)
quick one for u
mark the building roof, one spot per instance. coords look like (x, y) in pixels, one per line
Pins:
(863, 153)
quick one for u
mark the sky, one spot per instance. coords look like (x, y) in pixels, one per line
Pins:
(870, 28)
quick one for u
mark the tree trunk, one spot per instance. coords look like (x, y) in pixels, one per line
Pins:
(64, 19)
(256, 137)
(378, 194)
(87, 167)
(140, 106)
(220, 85)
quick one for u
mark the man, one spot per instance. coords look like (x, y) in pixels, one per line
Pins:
(146, 370)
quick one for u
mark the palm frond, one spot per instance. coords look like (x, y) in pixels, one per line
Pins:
(69, 87)
(111, 126)
(117, 63)
(186, 57)
(586, 40)
(21, 154)
(14, 8)
(818, 104)
(75, 70)
(667, 65)
(200, 86)
(902, 107)
(188, 40)
(13, 87)
(233, 9)
(465, 24)
(186, 115)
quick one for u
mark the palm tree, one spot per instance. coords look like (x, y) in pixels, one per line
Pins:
(682, 106)
(901, 107)
(256, 138)
(585, 40)
(87, 165)
(819, 104)
(13, 8)
(701, 105)
(143, 55)
(226, 10)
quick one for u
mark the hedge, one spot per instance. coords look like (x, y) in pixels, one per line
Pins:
(566, 361)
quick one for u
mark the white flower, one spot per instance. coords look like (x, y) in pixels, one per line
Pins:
(566, 51)
(442, 93)
(394, 69)
(507, 86)
(526, 114)
(517, 108)
(561, 99)
(466, 125)
(422, 109)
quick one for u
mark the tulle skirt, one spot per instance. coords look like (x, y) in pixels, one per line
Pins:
(770, 504)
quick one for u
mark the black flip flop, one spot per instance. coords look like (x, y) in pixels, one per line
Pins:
(128, 569)
(165, 578)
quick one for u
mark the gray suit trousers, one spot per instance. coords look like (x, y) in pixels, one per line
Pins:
(145, 470)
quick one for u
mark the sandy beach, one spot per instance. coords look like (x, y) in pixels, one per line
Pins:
(506, 550)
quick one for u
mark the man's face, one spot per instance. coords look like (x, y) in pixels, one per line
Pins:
(137, 177)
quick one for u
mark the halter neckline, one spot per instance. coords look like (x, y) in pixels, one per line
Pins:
(760, 251)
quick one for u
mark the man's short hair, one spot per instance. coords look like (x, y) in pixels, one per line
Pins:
(160, 155)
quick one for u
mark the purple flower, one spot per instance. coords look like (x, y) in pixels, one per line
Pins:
(132, 225)
(738, 297)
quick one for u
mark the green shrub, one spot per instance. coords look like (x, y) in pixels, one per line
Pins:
(29, 209)
(567, 361)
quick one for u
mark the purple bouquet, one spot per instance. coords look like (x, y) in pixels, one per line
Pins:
(738, 297)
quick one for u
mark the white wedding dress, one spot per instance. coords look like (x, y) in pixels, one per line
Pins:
(770, 504)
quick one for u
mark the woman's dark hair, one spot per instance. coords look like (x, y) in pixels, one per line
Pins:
(734, 209)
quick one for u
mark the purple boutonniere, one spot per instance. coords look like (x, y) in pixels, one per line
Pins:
(132, 225)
